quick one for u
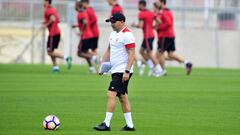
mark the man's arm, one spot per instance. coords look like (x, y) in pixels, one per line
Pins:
(131, 59)
(166, 22)
(105, 58)
(106, 55)
(84, 22)
(139, 25)
(52, 18)
(157, 22)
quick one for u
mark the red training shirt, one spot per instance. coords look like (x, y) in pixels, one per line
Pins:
(52, 28)
(147, 17)
(116, 9)
(166, 27)
(93, 21)
(82, 15)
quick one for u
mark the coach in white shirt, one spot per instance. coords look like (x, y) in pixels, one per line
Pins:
(121, 53)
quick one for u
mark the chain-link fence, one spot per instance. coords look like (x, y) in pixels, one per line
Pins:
(207, 30)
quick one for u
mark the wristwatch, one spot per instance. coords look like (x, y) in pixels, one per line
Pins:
(127, 71)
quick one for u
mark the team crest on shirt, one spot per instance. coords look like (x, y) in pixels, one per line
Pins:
(117, 39)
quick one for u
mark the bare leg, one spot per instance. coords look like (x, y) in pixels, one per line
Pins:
(89, 62)
(56, 54)
(54, 61)
(161, 59)
(53, 57)
(110, 109)
(126, 108)
(150, 56)
(111, 101)
(85, 55)
(172, 55)
(144, 55)
(94, 52)
(125, 103)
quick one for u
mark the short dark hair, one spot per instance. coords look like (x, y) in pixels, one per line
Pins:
(79, 3)
(87, 1)
(164, 1)
(143, 2)
(49, 1)
(155, 5)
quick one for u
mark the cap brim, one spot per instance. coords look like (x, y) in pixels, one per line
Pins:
(107, 20)
(110, 20)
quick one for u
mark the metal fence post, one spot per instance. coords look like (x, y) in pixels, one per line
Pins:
(207, 7)
(184, 14)
(43, 46)
(33, 36)
(216, 36)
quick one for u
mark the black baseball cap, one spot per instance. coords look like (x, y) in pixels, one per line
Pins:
(116, 17)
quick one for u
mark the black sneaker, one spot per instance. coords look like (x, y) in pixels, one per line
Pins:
(102, 127)
(188, 68)
(126, 128)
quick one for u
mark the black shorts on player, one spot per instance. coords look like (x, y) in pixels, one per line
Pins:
(94, 43)
(166, 44)
(84, 45)
(147, 44)
(117, 85)
(53, 42)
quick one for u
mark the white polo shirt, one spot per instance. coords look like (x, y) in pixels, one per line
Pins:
(119, 43)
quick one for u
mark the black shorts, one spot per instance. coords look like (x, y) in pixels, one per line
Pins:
(166, 44)
(94, 43)
(147, 44)
(84, 45)
(117, 85)
(53, 42)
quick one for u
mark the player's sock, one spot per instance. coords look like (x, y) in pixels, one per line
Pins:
(151, 72)
(159, 68)
(65, 57)
(92, 69)
(128, 118)
(55, 68)
(150, 64)
(139, 63)
(94, 58)
(186, 62)
(108, 118)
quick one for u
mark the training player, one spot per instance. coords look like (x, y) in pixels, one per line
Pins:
(85, 35)
(166, 38)
(146, 20)
(94, 28)
(51, 20)
(116, 8)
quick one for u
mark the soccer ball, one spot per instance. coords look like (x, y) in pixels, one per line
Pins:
(51, 122)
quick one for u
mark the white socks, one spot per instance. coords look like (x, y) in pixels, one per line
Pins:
(186, 62)
(65, 57)
(139, 63)
(150, 64)
(159, 68)
(108, 118)
(56, 68)
(94, 57)
(128, 118)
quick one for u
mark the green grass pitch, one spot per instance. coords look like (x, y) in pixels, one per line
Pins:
(205, 103)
